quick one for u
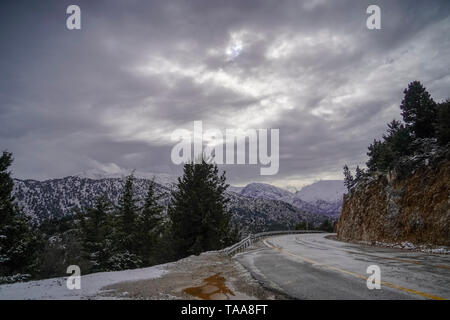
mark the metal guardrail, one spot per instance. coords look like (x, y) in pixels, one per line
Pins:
(252, 238)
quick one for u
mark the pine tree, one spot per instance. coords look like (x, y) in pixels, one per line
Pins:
(348, 178)
(150, 226)
(375, 150)
(19, 242)
(199, 218)
(97, 242)
(419, 110)
(7, 209)
(127, 217)
(398, 139)
(397, 142)
(443, 123)
(359, 173)
(126, 242)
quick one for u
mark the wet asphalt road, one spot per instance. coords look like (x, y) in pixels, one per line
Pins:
(311, 266)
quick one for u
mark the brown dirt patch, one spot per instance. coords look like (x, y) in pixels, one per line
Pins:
(213, 288)
(210, 275)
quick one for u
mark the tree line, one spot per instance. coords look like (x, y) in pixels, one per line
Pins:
(422, 136)
(108, 237)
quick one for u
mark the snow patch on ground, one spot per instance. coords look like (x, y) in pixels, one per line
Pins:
(91, 285)
(410, 246)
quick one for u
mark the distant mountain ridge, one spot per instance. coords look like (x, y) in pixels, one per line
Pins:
(327, 190)
(257, 207)
(323, 197)
(97, 174)
(267, 191)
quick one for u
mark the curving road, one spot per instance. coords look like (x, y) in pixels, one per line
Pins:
(312, 266)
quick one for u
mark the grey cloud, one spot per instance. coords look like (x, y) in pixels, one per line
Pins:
(68, 98)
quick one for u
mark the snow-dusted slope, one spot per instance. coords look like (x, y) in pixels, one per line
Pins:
(327, 190)
(267, 191)
(96, 174)
(235, 189)
(323, 197)
(258, 206)
(91, 285)
(56, 198)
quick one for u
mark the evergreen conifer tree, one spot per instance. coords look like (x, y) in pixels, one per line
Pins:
(419, 110)
(127, 218)
(150, 226)
(397, 142)
(19, 242)
(348, 178)
(375, 150)
(125, 243)
(443, 123)
(199, 217)
(97, 229)
(359, 173)
(399, 139)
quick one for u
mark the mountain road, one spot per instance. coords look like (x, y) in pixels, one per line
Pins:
(314, 266)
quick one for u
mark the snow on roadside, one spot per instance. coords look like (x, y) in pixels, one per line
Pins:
(406, 245)
(91, 285)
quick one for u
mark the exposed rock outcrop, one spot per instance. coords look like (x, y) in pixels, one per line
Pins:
(387, 209)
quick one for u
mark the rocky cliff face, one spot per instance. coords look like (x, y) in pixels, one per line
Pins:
(386, 209)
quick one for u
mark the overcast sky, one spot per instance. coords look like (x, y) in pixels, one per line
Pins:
(108, 96)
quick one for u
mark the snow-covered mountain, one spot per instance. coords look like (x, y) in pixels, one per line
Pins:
(267, 191)
(326, 196)
(327, 190)
(235, 189)
(56, 198)
(97, 174)
(323, 197)
(256, 207)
